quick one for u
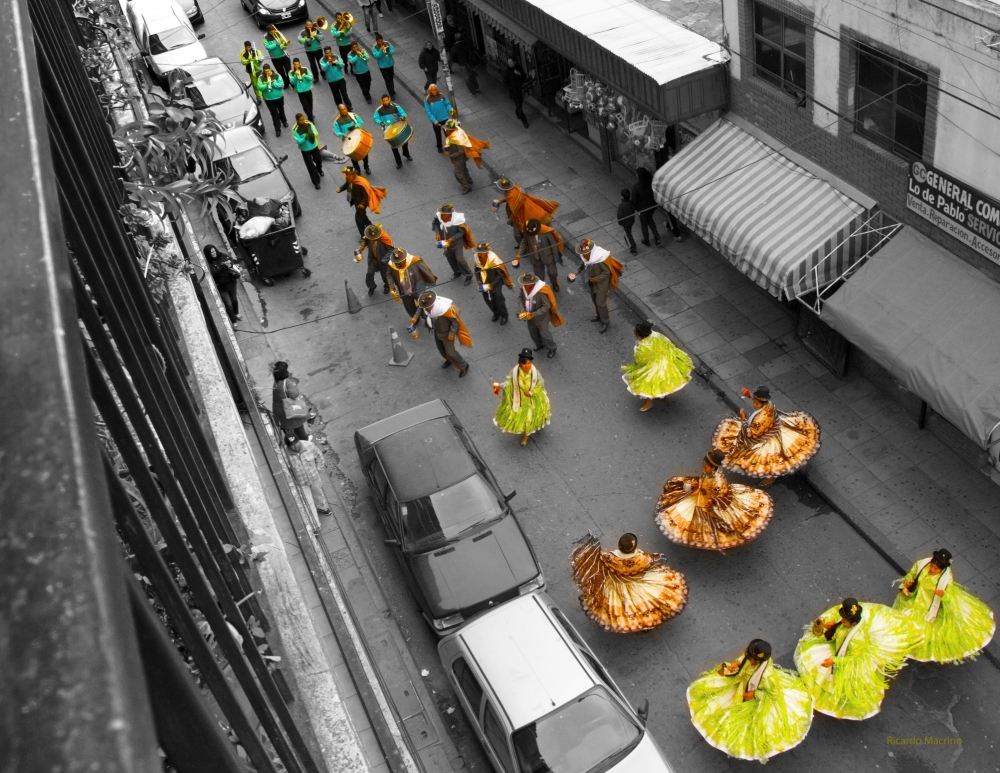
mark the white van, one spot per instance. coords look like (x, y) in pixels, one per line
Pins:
(164, 35)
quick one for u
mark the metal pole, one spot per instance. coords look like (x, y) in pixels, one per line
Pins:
(437, 24)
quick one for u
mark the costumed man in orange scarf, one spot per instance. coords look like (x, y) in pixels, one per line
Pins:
(408, 276)
(540, 311)
(362, 196)
(522, 207)
(602, 272)
(380, 247)
(492, 275)
(460, 145)
(444, 319)
(544, 246)
(454, 236)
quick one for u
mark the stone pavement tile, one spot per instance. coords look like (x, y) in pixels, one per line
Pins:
(763, 353)
(321, 622)
(300, 569)
(747, 379)
(334, 540)
(719, 273)
(904, 434)
(373, 751)
(779, 327)
(705, 343)
(832, 420)
(829, 447)
(777, 366)
(310, 595)
(888, 419)
(734, 328)
(934, 505)
(909, 481)
(732, 368)
(718, 355)
(792, 378)
(420, 731)
(984, 555)
(718, 309)
(872, 450)
(665, 306)
(870, 404)
(381, 768)
(875, 499)
(687, 286)
(581, 227)
(963, 533)
(636, 273)
(912, 535)
(334, 655)
(812, 395)
(984, 589)
(684, 318)
(892, 518)
(356, 710)
(694, 331)
(889, 465)
(404, 698)
(788, 342)
(854, 485)
(345, 684)
(750, 341)
(854, 390)
(855, 435)
(926, 446)
(647, 284)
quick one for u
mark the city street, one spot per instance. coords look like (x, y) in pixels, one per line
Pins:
(599, 467)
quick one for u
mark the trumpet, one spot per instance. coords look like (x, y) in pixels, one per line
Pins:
(276, 34)
(322, 23)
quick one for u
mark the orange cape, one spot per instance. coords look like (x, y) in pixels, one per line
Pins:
(616, 268)
(410, 260)
(525, 207)
(375, 195)
(464, 336)
(382, 237)
(545, 229)
(554, 311)
(492, 261)
(473, 147)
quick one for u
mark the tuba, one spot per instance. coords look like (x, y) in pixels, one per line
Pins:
(322, 23)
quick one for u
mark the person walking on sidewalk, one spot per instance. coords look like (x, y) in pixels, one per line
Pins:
(369, 12)
(302, 84)
(602, 272)
(645, 204)
(438, 110)
(543, 246)
(312, 39)
(362, 196)
(383, 52)
(305, 461)
(380, 247)
(227, 279)
(524, 404)
(429, 61)
(344, 124)
(453, 236)
(463, 53)
(359, 60)
(540, 311)
(251, 58)
(514, 80)
(343, 34)
(306, 136)
(444, 318)
(287, 387)
(386, 115)
(626, 219)
(408, 276)
(276, 46)
(492, 276)
(333, 71)
(271, 88)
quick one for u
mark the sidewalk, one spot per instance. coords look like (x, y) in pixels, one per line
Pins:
(903, 489)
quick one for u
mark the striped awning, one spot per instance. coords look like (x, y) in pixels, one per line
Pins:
(771, 218)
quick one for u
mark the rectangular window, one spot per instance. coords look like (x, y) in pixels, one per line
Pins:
(891, 103)
(779, 49)
(497, 738)
(469, 684)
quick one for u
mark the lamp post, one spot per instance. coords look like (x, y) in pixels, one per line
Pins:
(437, 24)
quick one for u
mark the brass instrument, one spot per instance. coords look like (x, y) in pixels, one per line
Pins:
(276, 34)
(344, 21)
(322, 23)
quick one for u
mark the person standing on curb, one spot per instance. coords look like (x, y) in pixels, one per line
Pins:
(492, 276)
(429, 61)
(306, 136)
(227, 277)
(276, 50)
(438, 110)
(302, 84)
(312, 39)
(359, 60)
(514, 80)
(408, 275)
(454, 236)
(271, 88)
(444, 318)
(383, 53)
(286, 386)
(333, 71)
(305, 461)
(645, 204)
(626, 219)
(602, 272)
(539, 310)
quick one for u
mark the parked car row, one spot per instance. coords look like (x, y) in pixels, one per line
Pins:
(537, 697)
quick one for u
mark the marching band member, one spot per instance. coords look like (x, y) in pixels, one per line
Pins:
(271, 88)
(251, 58)
(306, 136)
(438, 110)
(492, 276)
(312, 38)
(276, 43)
(383, 53)
(386, 115)
(359, 59)
(302, 84)
(342, 26)
(344, 124)
(332, 68)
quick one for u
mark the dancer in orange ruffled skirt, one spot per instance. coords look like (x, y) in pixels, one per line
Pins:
(627, 589)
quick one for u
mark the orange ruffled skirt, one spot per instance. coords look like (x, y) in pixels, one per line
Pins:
(791, 442)
(724, 521)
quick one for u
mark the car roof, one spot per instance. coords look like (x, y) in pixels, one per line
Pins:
(521, 652)
(368, 436)
(237, 140)
(157, 10)
(424, 458)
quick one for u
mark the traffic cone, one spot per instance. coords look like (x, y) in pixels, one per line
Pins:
(399, 354)
(353, 304)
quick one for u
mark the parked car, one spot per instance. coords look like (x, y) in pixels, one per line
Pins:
(539, 699)
(164, 36)
(192, 10)
(211, 85)
(448, 522)
(268, 12)
(258, 172)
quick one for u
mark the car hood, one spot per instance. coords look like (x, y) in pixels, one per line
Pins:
(476, 569)
(271, 186)
(167, 61)
(278, 5)
(233, 110)
(644, 758)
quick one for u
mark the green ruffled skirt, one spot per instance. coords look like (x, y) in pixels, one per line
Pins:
(963, 626)
(535, 412)
(658, 368)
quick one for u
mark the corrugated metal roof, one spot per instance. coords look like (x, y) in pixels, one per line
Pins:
(653, 44)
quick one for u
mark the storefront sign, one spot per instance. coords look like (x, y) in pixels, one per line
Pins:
(955, 207)
(436, 16)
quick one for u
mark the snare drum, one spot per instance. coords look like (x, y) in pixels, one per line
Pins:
(357, 144)
(398, 134)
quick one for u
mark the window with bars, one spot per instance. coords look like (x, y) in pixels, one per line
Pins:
(779, 49)
(891, 102)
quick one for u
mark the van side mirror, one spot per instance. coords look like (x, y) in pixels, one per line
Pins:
(282, 159)
(643, 711)
(201, 36)
(510, 496)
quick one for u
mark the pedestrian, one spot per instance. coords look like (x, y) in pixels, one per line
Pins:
(540, 311)
(450, 31)
(751, 709)
(709, 512)
(344, 124)
(601, 272)
(524, 404)
(388, 7)
(369, 12)
(302, 84)
(464, 53)
(453, 236)
(289, 406)
(227, 277)
(492, 278)
(359, 60)
(271, 88)
(386, 115)
(849, 654)
(645, 204)
(522, 207)
(954, 624)
(312, 39)
(342, 32)
(461, 146)
(674, 225)
(276, 45)
(380, 247)
(444, 318)
(438, 110)
(362, 196)
(429, 61)
(626, 219)
(626, 590)
(514, 80)
(306, 136)
(543, 245)
(408, 276)
(658, 368)
(332, 68)
(305, 461)
(251, 58)
(383, 52)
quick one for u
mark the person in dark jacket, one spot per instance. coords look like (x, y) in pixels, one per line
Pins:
(645, 204)
(626, 219)
(450, 33)
(463, 53)
(429, 61)
(514, 80)
(226, 276)
(286, 386)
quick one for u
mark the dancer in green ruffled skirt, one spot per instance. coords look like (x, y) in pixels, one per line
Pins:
(955, 624)
(658, 368)
(751, 709)
(524, 403)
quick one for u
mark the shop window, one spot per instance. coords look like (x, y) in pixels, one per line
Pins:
(779, 49)
(891, 101)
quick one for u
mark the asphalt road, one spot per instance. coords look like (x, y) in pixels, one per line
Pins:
(599, 467)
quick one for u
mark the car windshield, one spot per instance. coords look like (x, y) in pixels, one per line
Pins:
(590, 734)
(215, 90)
(446, 514)
(250, 163)
(168, 40)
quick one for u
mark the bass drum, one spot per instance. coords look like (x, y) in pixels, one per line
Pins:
(398, 134)
(357, 144)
